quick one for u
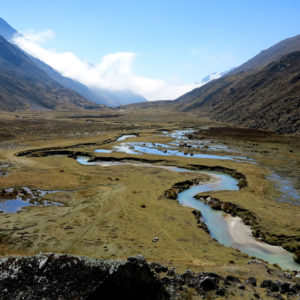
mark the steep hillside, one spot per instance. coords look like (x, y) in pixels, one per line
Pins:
(267, 98)
(269, 55)
(24, 85)
(6, 30)
(99, 96)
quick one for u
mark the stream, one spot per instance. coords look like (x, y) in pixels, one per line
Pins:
(229, 231)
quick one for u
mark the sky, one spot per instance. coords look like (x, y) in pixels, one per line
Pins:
(159, 49)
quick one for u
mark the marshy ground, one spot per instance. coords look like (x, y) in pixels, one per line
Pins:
(116, 212)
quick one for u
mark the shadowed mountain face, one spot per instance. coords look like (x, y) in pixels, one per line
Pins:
(265, 98)
(23, 85)
(99, 96)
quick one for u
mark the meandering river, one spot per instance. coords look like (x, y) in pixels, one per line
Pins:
(229, 231)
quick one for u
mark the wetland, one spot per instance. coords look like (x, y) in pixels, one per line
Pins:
(119, 171)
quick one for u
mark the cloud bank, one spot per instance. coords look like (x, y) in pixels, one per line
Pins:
(114, 72)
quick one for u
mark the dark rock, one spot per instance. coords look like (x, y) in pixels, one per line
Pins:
(200, 222)
(158, 268)
(220, 292)
(51, 276)
(278, 297)
(137, 259)
(284, 287)
(256, 295)
(208, 284)
(133, 280)
(294, 289)
(232, 279)
(188, 276)
(241, 287)
(251, 281)
(274, 287)
(266, 284)
(171, 272)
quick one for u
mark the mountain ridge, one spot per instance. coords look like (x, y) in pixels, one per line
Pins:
(265, 98)
(269, 55)
(98, 96)
(24, 86)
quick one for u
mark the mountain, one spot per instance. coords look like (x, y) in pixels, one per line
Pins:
(6, 30)
(269, 55)
(23, 85)
(265, 98)
(99, 96)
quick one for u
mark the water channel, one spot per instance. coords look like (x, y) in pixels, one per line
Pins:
(229, 231)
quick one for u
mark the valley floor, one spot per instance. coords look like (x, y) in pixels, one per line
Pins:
(116, 212)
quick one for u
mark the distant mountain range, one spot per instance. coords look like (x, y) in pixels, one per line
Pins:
(262, 93)
(98, 96)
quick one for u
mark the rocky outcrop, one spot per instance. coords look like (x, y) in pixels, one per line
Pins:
(52, 276)
(280, 287)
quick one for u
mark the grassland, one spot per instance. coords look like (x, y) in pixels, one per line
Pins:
(115, 212)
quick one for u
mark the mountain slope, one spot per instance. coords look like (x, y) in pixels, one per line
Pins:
(6, 30)
(269, 55)
(99, 96)
(23, 85)
(266, 98)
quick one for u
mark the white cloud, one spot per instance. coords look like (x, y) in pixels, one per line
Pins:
(114, 72)
(38, 37)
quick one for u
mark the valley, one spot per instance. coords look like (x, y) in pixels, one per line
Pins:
(115, 210)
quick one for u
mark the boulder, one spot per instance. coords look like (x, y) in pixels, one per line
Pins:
(251, 281)
(51, 276)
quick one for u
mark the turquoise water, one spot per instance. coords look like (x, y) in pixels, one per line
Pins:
(216, 220)
(219, 228)
(179, 136)
(139, 148)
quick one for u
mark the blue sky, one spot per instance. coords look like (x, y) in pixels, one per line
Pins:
(174, 42)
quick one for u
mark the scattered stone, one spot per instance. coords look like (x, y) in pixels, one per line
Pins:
(50, 276)
(200, 221)
(266, 284)
(171, 272)
(232, 279)
(251, 281)
(158, 268)
(221, 292)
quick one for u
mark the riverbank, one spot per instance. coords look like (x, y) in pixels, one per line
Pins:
(117, 212)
